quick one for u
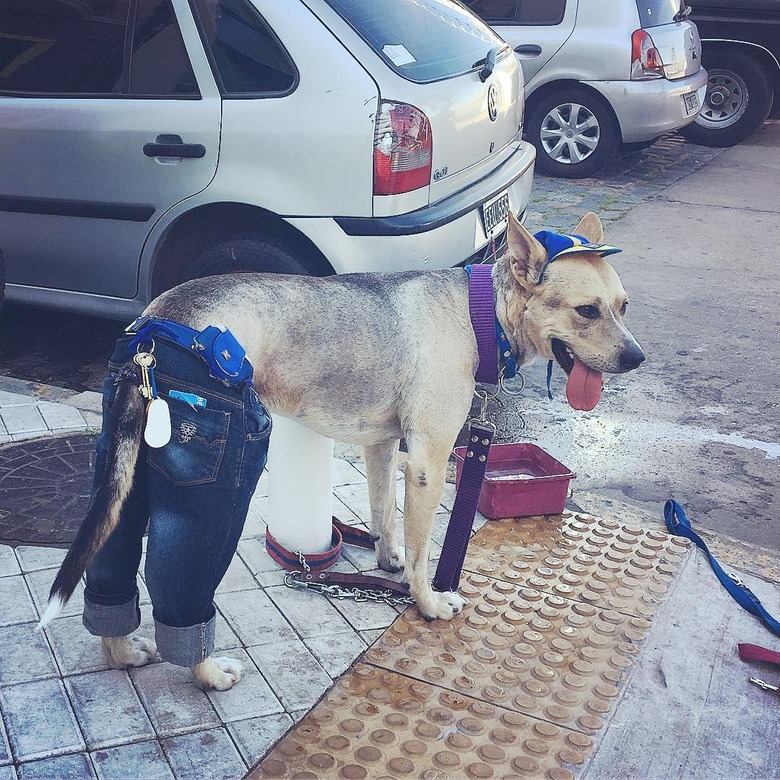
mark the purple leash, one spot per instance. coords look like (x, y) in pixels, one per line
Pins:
(482, 309)
(481, 433)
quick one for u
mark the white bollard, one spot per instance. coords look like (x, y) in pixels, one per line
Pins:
(300, 487)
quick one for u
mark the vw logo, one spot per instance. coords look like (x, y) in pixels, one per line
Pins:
(492, 102)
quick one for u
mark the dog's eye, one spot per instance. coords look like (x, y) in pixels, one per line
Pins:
(589, 312)
(624, 307)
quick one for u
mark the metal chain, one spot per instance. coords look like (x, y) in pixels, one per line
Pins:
(292, 580)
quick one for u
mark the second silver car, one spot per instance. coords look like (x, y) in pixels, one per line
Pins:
(599, 73)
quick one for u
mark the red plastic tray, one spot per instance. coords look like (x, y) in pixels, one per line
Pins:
(521, 480)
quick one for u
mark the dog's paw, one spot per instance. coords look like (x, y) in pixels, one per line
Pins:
(441, 606)
(391, 561)
(218, 673)
(124, 652)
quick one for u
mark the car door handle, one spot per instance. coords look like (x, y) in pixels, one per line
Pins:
(172, 146)
(528, 50)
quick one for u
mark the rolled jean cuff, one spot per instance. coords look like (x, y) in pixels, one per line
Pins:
(111, 620)
(187, 645)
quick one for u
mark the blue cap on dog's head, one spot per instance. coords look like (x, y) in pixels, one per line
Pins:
(558, 245)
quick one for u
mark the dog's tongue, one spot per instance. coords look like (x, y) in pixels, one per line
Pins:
(583, 388)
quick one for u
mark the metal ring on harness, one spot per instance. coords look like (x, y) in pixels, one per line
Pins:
(508, 390)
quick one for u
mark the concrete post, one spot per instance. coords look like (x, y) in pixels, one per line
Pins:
(300, 487)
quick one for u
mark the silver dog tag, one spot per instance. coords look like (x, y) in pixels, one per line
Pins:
(157, 432)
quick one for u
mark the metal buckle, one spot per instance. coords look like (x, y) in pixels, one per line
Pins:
(734, 578)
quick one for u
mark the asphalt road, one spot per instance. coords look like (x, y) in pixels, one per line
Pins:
(700, 420)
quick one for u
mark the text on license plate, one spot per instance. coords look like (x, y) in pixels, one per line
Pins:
(691, 103)
(494, 214)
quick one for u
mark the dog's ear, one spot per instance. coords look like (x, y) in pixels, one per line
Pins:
(590, 228)
(526, 255)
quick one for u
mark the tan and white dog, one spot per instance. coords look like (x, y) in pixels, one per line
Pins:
(371, 358)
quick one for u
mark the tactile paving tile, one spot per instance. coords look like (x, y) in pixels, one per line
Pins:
(519, 648)
(379, 724)
(581, 557)
(515, 685)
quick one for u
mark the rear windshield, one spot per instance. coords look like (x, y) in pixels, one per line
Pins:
(422, 40)
(654, 13)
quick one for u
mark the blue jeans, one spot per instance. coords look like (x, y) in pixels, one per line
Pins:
(193, 495)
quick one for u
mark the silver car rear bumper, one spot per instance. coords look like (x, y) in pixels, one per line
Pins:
(647, 109)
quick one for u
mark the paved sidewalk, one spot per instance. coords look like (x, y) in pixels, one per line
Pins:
(32, 411)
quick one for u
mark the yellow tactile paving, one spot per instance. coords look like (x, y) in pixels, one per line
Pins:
(580, 557)
(521, 649)
(515, 685)
(379, 724)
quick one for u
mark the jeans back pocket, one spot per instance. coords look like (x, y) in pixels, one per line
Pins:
(197, 446)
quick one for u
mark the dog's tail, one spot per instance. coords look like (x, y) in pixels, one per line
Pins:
(125, 428)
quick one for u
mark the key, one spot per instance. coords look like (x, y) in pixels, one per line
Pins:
(157, 431)
(146, 362)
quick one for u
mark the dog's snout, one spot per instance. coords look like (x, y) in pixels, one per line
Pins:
(631, 357)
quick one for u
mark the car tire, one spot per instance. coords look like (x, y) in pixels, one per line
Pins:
(739, 99)
(593, 138)
(267, 252)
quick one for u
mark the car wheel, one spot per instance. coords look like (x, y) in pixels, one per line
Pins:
(738, 100)
(271, 252)
(574, 133)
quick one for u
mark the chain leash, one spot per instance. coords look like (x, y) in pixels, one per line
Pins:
(293, 580)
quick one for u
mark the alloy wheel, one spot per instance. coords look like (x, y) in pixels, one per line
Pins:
(570, 133)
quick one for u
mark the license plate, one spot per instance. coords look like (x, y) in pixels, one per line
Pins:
(494, 214)
(691, 103)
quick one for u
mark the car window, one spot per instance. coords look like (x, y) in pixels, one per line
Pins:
(654, 13)
(53, 48)
(246, 55)
(423, 40)
(57, 48)
(159, 64)
(519, 11)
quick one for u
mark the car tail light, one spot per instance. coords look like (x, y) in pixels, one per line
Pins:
(646, 60)
(403, 149)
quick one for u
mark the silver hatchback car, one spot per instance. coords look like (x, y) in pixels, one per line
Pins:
(145, 142)
(600, 72)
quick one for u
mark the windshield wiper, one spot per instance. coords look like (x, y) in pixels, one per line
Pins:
(488, 63)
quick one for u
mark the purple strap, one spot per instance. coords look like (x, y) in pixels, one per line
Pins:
(456, 540)
(482, 308)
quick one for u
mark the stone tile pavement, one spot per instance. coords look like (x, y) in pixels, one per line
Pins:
(628, 179)
(66, 714)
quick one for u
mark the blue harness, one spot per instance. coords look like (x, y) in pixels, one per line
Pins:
(219, 349)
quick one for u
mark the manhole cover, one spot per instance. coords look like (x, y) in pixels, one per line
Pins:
(44, 489)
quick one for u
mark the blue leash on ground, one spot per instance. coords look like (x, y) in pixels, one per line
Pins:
(677, 523)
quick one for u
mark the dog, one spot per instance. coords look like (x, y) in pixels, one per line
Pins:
(372, 358)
